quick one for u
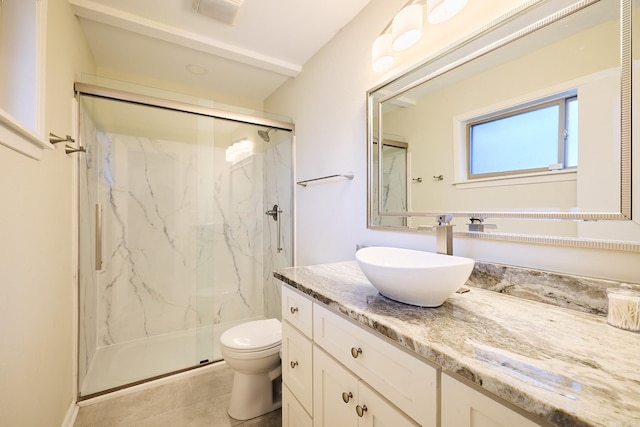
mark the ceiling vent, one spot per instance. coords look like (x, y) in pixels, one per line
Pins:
(221, 10)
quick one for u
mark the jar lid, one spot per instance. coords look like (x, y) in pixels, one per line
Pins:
(624, 291)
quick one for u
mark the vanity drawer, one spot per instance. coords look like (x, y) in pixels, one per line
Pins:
(297, 364)
(407, 381)
(297, 309)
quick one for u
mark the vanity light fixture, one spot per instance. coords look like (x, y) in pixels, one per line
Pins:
(442, 10)
(406, 28)
(403, 31)
(382, 53)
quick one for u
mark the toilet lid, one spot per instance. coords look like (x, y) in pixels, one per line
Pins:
(253, 336)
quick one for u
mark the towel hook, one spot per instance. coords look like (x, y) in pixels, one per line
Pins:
(70, 150)
(54, 139)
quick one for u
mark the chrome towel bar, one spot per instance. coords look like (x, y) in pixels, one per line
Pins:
(348, 175)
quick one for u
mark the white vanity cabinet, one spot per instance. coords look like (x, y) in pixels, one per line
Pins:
(463, 406)
(297, 359)
(293, 414)
(406, 381)
(396, 388)
(337, 373)
(341, 399)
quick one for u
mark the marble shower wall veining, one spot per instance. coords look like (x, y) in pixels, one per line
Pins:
(183, 243)
(277, 177)
(150, 233)
(394, 185)
(236, 266)
(88, 297)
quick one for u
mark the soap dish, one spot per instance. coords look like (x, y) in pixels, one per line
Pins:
(624, 308)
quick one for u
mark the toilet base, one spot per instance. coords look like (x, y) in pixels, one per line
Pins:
(253, 395)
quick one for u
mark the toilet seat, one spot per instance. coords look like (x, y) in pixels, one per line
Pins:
(253, 337)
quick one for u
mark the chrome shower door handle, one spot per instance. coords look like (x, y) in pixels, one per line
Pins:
(275, 214)
(98, 237)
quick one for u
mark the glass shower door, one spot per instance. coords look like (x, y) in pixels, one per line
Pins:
(174, 243)
(146, 182)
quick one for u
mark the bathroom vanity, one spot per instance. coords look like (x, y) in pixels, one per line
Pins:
(352, 357)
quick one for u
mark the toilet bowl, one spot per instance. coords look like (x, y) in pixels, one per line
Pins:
(252, 350)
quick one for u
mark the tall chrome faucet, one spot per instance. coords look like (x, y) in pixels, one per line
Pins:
(444, 234)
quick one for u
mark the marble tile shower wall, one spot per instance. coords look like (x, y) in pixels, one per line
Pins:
(87, 182)
(183, 240)
(277, 177)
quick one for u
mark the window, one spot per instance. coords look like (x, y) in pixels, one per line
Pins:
(22, 40)
(534, 137)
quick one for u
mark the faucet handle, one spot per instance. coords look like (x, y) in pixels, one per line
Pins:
(477, 224)
(444, 219)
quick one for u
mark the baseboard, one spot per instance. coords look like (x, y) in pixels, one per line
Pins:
(70, 418)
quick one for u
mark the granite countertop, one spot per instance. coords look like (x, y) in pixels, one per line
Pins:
(567, 367)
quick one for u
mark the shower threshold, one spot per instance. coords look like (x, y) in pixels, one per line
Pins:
(125, 364)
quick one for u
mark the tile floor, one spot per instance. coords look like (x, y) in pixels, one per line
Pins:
(197, 401)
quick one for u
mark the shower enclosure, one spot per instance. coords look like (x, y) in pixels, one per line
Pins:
(177, 232)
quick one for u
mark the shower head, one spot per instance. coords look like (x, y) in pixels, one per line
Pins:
(264, 134)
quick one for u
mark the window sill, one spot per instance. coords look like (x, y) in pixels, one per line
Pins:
(17, 137)
(530, 178)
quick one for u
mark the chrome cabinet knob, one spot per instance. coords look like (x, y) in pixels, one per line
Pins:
(355, 352)
(360, 410)
(293, 310)
(293, 364)
(347, 396)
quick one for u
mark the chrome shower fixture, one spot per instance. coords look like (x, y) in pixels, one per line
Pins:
(264, 134)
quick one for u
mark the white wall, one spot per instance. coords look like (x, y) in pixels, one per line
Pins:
(36, 261)
(327, 104)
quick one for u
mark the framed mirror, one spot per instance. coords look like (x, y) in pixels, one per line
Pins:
(523, 128)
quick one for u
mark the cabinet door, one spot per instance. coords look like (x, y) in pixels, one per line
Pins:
(335, 392)
(379, 412)
(297, 364)
(406, 381)
(293, 414)
(463, 406)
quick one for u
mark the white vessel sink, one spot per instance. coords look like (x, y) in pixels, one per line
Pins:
(414, 277)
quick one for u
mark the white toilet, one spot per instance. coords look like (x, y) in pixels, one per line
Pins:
(252, 350)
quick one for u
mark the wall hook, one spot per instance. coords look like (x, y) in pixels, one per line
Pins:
(438, 177)
(70, 150)
(418, 179)
(54, 139)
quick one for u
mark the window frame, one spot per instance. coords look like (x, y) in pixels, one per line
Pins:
(14, 134)
(561, 100)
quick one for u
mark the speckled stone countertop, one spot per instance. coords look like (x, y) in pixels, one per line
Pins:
(567, 367)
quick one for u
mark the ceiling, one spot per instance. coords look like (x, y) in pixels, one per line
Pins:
(269, 43)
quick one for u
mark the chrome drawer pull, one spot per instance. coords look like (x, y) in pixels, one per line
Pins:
(294, 364)
(360, 410)
(355, 352)
(293, 310)
(347, 396)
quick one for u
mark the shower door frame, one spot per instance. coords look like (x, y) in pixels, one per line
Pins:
(172, 105)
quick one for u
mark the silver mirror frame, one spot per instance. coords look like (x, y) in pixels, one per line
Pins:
(471, 52)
